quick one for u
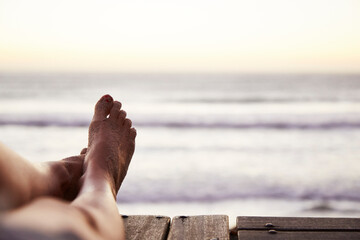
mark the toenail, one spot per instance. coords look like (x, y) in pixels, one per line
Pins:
(108, 98)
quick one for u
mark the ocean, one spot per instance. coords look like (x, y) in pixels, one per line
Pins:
(234, 144)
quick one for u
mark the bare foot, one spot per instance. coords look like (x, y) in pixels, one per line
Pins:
(63, 176)
(111, 143)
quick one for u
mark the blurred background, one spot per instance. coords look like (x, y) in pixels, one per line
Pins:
(242, 107)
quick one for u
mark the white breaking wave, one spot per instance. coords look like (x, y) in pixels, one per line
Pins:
(287, 122)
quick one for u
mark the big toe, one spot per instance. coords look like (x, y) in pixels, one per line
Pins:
(103, 107)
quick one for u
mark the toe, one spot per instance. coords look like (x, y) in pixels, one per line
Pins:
(102, 107)
(127, 123)
(133, 132)
(115, 110)
(121, 117)
(83, 151)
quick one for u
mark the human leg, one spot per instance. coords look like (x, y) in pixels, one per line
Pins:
(110, 149)
(93, 214)
(21, 181)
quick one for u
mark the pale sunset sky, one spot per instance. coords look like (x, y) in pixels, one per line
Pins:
(180, 36)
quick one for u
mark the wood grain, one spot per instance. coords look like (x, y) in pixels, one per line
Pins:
(298, 224)
(295, 235)
(199, 228)
(138, 227)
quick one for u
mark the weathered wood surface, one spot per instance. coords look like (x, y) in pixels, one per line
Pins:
(249, 228)
(141, 227)
(298, 224)
(296, 228)
(296, 235)
(199, 227)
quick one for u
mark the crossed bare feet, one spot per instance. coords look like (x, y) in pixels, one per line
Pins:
(91, 180)
(110, 148)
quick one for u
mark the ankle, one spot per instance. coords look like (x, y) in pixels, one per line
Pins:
(56, 178)
(99, 179)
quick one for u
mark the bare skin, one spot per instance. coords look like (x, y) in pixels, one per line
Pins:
(22, 181)
(93, 214)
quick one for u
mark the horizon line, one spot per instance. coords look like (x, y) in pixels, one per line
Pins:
(181, 72)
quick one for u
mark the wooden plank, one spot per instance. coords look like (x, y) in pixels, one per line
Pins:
(293, 235)
(199, 228)
(138, 227)
(298, 224)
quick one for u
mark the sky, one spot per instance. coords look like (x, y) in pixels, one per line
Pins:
(180, 36)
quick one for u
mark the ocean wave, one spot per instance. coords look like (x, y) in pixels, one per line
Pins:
(45, 122)
(270, 125)
(135, 198)
(264, 100)
(177, 123)
(232, 196)
(214, 192)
